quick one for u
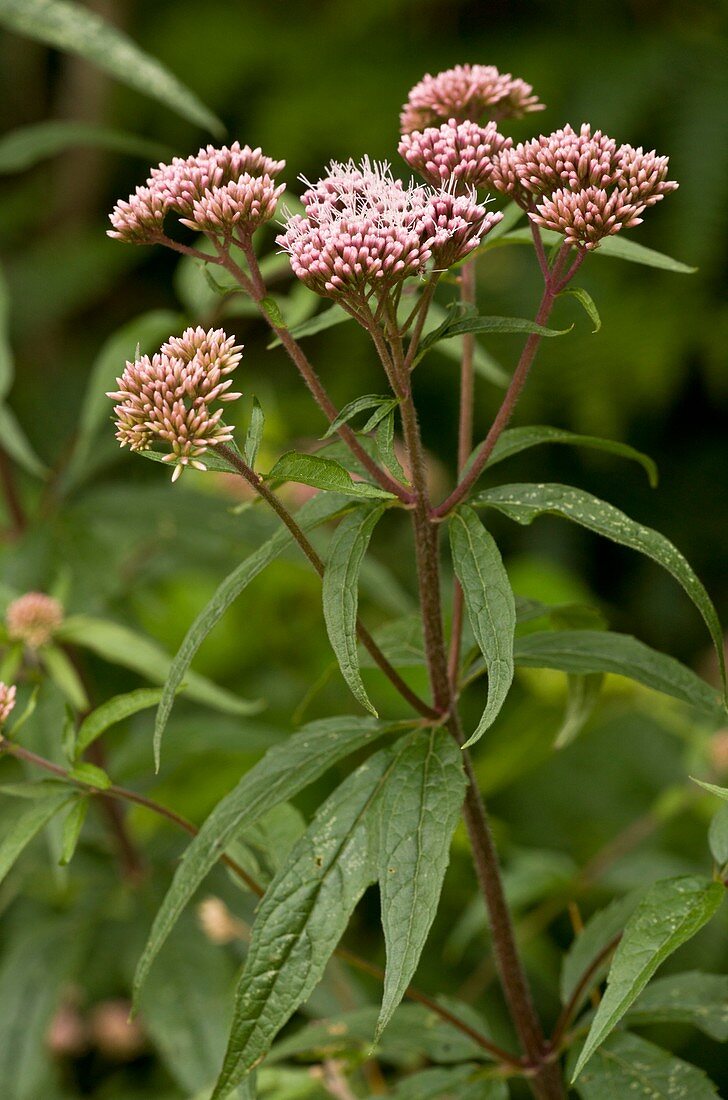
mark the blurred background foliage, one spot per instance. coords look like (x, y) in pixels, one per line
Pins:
(310, 82)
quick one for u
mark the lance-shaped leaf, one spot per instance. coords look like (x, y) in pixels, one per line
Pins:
(312, 513)
(380, 402)
(628, 1066)
(71, 27)
(582, 696)
(490, 603)
(497, 326)
(587, 961)
(618, 247)
(525, 502)
(341, 593)
(112, 711)
(323, 473)
(582, 652)
(515, 440)
(587, 303)
(302, 917)
(29, 145)
(16, 443)
(418, 812)
(284, 770)
(692, 998)
(254, 435)
(670, 913)
(334, 315)
(72, 827)
(28, 824)
(718, 836)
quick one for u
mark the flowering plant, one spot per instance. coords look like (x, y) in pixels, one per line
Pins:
(389, 254)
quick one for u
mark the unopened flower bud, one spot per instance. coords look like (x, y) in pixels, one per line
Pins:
(33, 619)
(477, 93)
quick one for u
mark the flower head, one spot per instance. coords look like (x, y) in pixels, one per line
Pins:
(468, 92)
(364, 231)
(170, 396)
(462, 151)
(33, 619)
(582, 184)
(7, 701)
(216, 191)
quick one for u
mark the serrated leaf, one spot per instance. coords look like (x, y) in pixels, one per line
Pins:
(120, 645)
(64, 676)
(29, 145)
(515, 440)
(323, 473)
(629, 1066)
(111, 712)
(75, 29)
(691, 998)
(670, 913)
(341, 594)
(313, 513)
(718, 836)
(418, 811)
(15, 442)
(27, 824)
(490, 603)
(334, 315)
(284, 771)
(598, 933)
(273, 312)
(586, 301)
(254, 435)
(360, 404)
(302, 917)
(524, 502)
(72, 827)
(582, 652)
(91, 775)
(582, 696)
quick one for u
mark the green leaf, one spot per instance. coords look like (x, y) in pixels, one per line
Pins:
(523, 503)
(484, 363)
(582, 652)
(72, 827)
(27, 824)
(619, 248)
(418, 811)
(284, 770)
(591, 947)
(254, 435)
(302, 917)
(361, 404)
(515, 440)
(490, 603)
(671, 912)
(111, 712)
(64, 676)
(91, 775)
(74, 29)
(334, 315)
(7, 366)
(15, 443)
(273, 312)
(29, 145)
(718, 836)
(341, 593)
(629, 1066)
(121, 646)
(447, 1084)
(323, 473)
(313, 513)
(385, 446)
(587, 302)
(500, 326)
(692, 998)
(582, 696)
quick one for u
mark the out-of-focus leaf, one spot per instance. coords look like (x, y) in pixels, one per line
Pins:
(523, 503)
(75, 29)
(285, 769)
(334, 315)
(718, 836)
(29, 145)
(515, 440)
(72, 827)
(671, 912)
(27, 824)
(254, 435)
(418, 811)
(600, 931)
(448, 1084)
(112, 711)
(582, 697)
(64, 676)
(692, 998)
(490, 603)
(629, 1066)
(340, 593)
(90, 774)
(7, 368)
(15, 443)
(323, 473)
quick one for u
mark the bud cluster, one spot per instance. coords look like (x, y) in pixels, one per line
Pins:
(478, 93)
(33, 619)
(7, 701)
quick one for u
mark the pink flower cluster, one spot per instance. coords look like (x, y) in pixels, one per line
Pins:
(7, 701)
(169, 397)
(468, 92)
(364, 231)
(218, 191)
(462, 151)
(33, 619)
(582, 185)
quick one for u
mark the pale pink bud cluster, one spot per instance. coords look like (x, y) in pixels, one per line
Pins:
(467, 92)
(169, 397)
(7, 701)
(216, 191)
(462, 151)
(581, 184)
(33, 619)
(364, 231)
